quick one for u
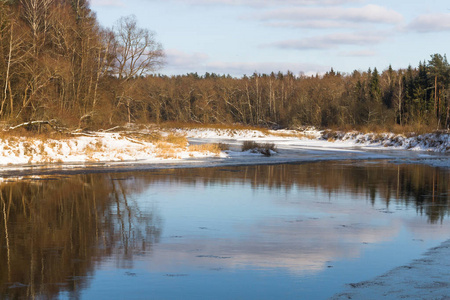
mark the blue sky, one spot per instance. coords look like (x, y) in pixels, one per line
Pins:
(239, 37)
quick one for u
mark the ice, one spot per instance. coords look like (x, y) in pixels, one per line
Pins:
(424, 278)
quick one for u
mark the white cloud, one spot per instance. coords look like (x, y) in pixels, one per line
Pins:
(331, 41)
(360, 53)
(431, 23)
(259, 3)
(313, 24)
(336, 16)
(180, 60)
(305, 250)
(248, 68)
(113, 3)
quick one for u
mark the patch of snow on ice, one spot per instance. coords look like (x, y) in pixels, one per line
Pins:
(424, 278)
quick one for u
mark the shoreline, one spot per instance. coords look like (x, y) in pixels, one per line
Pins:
(150, 149)
(290, 151)
(234, 159)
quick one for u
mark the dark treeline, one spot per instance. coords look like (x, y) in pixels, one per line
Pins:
(416, 96)
(58, 63)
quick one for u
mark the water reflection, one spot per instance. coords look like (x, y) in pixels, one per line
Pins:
(55, 233)
(424, 187)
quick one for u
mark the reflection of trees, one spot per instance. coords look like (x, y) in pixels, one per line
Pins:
(54, 232)
(424, 187)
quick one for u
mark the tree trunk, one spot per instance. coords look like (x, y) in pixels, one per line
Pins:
(8, 67)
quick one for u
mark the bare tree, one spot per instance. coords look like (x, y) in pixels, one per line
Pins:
(12, 50)
(137, 54)
(36, 12)
(137, 51)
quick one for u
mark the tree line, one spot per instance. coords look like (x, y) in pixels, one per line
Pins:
(404, 97)
(58, 63)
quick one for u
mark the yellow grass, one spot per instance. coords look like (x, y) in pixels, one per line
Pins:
(294, 134)
(176, 140)
(213, 148)
(417, 129)
(181, 125)
(257, 147)
(167, 150)
(152, 137)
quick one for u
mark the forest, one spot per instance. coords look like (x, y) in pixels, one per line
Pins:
(57, 63)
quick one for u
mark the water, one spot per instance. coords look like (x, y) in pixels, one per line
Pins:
(258, 232)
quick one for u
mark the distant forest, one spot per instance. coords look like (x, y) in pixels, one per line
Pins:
(58, 63)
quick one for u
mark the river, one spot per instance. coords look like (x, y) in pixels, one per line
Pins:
(288, 231)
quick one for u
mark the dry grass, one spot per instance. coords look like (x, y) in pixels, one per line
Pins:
(166, 150)
(152, 137)
(98, 145)
(407, 130)
(331, 139)
(28, 149)
(35, 145)
(43, 135)
(176, 140)
(223, 146)
(181, 125)
(417, 129)
(255, 147)
(166, 147)
(287, 134)
(89, 151)
(298, 135)
(213, 148)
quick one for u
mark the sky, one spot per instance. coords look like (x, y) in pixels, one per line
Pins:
(240, 37)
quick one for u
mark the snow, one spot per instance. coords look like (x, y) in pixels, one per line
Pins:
(424, 278)
(94, 147)
(436, 142)
(312, 145)
(293, 146)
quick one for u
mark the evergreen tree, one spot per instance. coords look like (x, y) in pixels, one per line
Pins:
(439, 69)
(374, 86)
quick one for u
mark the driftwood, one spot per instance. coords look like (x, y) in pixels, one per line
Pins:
(50, 123)
(112, 129)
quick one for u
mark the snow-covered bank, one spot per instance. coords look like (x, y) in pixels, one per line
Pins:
(435, 142)
(310, 144)
(424, 278)
(95, 147)
(432, 142)
(159, 147)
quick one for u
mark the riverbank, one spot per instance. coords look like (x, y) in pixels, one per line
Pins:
(146, 149)
(157, 145)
